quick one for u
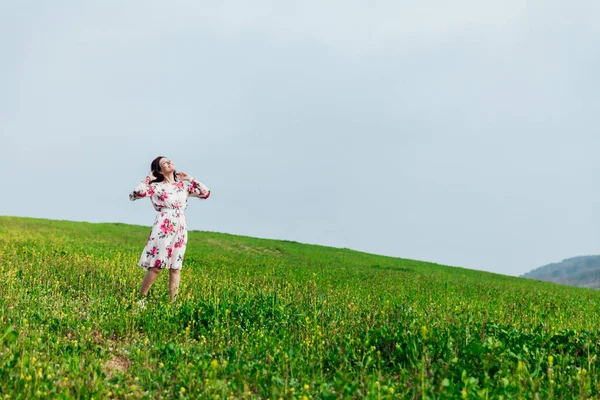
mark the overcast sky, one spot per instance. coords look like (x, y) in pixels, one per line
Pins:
(464, 133)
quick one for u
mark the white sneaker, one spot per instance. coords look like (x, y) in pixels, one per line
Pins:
(142, 303)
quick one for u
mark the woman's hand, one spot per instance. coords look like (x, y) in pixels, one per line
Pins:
(184, 177)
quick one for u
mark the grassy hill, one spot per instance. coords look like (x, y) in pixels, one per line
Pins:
(277, 319)
(583, 271)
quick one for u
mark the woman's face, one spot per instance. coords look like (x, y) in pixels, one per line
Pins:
(166, 166)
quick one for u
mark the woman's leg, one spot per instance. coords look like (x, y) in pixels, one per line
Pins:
(149, 279)
(174, 278)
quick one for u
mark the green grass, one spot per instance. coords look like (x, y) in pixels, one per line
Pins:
(260, 318)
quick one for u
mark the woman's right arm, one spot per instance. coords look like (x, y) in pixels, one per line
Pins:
(143, 189)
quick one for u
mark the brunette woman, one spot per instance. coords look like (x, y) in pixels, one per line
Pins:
(168, 190)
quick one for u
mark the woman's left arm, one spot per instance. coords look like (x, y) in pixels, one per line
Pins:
(198, 189)
(195, 188)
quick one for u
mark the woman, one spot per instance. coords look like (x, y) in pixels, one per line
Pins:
(166, 244)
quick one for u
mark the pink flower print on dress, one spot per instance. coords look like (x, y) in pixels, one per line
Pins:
(181, 228)
(154, 251)
(179, 243)
(150, 191)
(179, 185)
(167, 227)
(157, 263)
(177, 205)
(163, 196)
(169, 252)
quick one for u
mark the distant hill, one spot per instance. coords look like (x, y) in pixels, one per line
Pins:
(582, 271)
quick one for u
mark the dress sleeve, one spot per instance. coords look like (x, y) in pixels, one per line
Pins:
(143, 189)
(198, 189)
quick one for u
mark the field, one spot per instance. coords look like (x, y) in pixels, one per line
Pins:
(261, 318)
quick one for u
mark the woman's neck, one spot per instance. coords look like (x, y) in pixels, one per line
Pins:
(169, 178)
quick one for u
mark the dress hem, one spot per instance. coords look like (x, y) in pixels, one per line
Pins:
(148, 267)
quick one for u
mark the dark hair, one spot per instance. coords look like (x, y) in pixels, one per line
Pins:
(155, 168)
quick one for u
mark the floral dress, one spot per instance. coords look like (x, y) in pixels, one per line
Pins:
(166, 244)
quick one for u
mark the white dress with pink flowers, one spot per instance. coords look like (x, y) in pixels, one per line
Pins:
(166, 244)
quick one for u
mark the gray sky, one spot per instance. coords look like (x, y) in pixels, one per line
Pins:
(463, 133)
